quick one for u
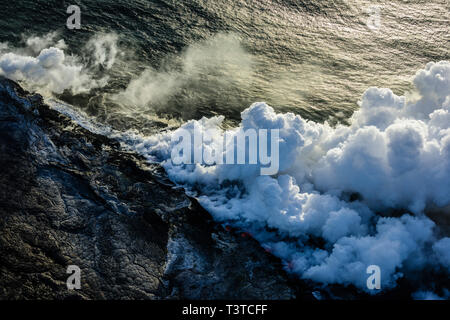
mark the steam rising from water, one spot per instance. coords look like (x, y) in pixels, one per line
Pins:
(335, 182)
(338, 186)
(44, 66)
(203, 71)
(222, 57)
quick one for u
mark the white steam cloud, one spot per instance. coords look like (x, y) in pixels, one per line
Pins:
(221, 58)
(103, 49)
(43, 64)
(395, 155)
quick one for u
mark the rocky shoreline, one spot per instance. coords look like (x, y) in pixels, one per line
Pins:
(71, 197)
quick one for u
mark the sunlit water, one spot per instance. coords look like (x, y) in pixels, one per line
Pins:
(314, 58)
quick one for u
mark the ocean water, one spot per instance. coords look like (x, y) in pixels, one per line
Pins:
(142, 69)
(313, 58)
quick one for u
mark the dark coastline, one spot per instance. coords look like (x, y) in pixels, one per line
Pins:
(69, 196)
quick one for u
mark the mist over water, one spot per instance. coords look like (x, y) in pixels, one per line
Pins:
(345, 197)
(361, 167)
(313, 58)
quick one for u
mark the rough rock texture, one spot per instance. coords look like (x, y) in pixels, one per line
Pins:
(71, 197)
